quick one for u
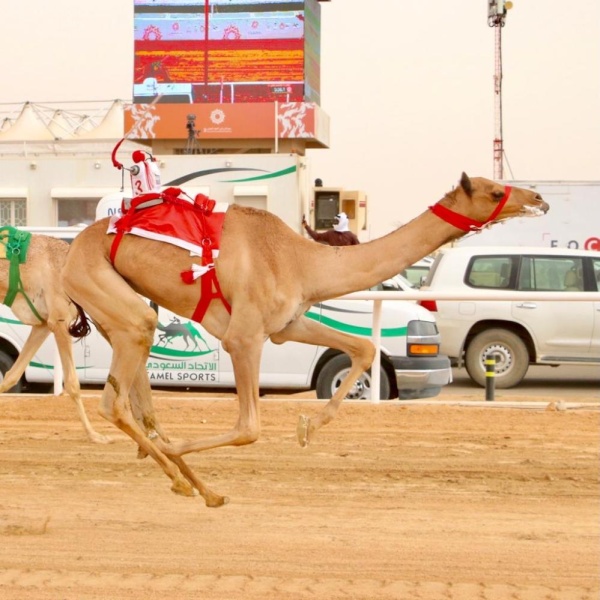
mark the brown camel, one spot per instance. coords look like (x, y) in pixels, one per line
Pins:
(40, 279)
(270, 275)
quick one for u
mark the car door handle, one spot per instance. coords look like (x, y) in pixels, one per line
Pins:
(527, 305)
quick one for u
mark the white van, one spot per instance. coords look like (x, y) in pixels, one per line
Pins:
(185, 355)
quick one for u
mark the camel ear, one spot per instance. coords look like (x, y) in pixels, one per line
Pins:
(465, 183)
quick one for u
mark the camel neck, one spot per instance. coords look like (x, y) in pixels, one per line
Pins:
(344, 270)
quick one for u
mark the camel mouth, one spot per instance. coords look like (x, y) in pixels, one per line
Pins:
(534, 211)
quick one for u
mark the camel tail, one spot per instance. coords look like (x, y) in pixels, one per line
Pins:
(80, 327)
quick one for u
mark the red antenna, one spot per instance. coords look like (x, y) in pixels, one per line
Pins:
(113, 156)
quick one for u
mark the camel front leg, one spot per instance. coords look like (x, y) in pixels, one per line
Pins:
(245, 351)
(361, 352)
(71, 381)
(36, 338)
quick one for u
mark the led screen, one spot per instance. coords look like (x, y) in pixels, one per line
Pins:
(223, 51)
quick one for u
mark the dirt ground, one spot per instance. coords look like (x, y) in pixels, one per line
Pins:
(414, 501)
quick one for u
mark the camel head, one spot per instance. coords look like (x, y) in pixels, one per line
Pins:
(478, 202)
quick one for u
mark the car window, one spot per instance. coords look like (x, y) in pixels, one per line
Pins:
(551, 274)
(394, 284)
(596, 263)
(415, 274)
(430, 275)
(492, 272)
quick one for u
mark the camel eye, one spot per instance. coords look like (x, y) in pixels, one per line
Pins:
(498, 196)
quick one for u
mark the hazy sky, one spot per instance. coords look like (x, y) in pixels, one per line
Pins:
(407, 84)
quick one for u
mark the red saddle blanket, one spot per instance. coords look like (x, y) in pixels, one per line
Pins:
(195, 226)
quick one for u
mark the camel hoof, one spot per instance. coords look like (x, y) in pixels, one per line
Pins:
(182, 487)
(216, 501)
(98, 438)
(302, 430)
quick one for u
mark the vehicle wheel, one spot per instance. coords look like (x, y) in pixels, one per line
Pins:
(512, 358)
(6, 363)
(336, 368)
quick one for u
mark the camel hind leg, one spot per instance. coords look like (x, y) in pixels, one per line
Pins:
(361, 352)
(64, 344)
(129, 325)
(127, 398)
(143, 411)
(36, 338)
(131, 343)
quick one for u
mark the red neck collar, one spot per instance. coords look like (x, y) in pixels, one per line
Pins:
(466, 223)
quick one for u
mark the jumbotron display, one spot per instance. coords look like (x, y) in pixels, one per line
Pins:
(226, 51)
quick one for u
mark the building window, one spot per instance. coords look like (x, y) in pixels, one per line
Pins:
(76, 211)
(13, 212)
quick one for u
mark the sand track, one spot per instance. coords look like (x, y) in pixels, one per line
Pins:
(390, 502)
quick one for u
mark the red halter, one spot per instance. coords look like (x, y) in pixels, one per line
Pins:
(466, 223)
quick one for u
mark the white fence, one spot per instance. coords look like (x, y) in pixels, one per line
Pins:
(379, 297)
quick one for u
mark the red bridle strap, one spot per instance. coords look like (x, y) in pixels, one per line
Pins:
(466, 223)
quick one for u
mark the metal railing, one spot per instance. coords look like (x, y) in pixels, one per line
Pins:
(487, 295)
(379, 297)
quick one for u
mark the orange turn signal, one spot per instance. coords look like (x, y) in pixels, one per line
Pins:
(423, 349)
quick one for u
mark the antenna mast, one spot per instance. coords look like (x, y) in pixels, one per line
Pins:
(496, 18)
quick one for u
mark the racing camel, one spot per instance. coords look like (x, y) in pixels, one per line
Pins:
(269, 276)
(37, 299)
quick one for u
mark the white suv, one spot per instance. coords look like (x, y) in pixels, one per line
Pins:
(517, 333)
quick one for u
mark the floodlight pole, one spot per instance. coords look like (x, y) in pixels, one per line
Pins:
(496, 18)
